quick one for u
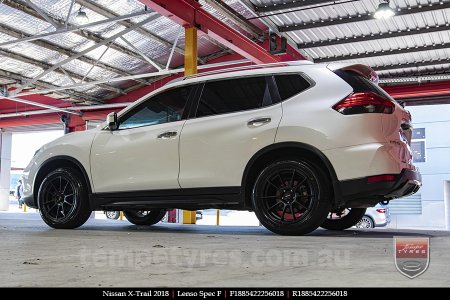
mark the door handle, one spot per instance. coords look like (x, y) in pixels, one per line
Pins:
(167, 135)
(258, 122)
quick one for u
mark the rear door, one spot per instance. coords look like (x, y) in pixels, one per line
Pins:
(234, 119)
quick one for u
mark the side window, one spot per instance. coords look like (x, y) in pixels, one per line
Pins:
(165, 107)
(290, 85)
(231, 95)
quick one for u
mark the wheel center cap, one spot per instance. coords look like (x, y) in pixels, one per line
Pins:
(288, 197)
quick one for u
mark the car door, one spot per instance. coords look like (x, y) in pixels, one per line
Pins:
(142, 154)
(234, 119)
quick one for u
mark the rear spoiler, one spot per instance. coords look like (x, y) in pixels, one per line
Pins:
(361, 69)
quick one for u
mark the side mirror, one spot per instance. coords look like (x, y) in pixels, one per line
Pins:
(111, 121)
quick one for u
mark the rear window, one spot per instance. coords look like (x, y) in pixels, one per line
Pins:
(360, 83)
(290, 85)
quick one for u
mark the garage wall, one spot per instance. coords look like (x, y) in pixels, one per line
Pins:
(435, 170)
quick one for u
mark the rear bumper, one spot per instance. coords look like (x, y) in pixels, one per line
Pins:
(361, 193)
(29, 201)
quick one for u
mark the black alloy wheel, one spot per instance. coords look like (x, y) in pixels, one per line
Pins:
(291, 197)
(63, 199)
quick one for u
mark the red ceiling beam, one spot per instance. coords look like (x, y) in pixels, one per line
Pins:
(190, 13)
(55, 118)
(419, 90)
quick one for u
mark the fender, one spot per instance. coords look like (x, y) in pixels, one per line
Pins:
(302, 146)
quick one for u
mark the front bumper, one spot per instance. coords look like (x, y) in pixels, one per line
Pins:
(29, 201)
(361, 193)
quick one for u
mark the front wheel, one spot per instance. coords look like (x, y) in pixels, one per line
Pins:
(343, 219)
(144, 217)
(63, 199)
(291, 197)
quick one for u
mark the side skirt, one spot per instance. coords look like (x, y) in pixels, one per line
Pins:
(189, 199)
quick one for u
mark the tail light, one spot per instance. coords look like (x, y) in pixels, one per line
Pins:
(363, 103)
(380, 178)
(381, 210)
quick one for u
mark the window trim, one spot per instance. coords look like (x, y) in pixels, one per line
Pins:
(184, 116)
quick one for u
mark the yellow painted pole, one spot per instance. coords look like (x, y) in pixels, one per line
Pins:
(190, 51)
(24, 207)
(190, 67)
(217, 217)
(121, 216)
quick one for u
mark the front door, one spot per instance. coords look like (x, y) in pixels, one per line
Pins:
(142, 154)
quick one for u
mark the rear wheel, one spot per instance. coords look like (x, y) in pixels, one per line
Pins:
(343, 219)
(291, 197)
(63, 199)
(144, 217)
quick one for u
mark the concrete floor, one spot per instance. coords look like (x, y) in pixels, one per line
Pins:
(106, 253)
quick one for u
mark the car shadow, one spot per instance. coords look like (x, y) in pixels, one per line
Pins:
(257, 230)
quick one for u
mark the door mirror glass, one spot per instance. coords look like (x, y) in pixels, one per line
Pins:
(111, 121)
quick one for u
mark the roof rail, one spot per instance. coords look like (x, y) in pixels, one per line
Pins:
(243, 68)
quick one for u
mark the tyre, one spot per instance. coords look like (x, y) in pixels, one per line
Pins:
(144, 217)
(343, 219)
(365, 222)
(63, 199)
(291, 197)
(113, 215)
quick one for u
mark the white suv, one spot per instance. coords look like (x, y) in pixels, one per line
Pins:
(291, 141)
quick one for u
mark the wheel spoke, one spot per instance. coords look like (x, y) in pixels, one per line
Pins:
(60, 183)
(65, 187)
(268, 197)
(62, 210)
(300, 204)
(49, 201)
(51, 208)
(292, 211)
(281, 179)
(53, 186)
(275, 205)
(284, 212)
(292, 179)
(299, 184)
(68, 203)
(269, 182)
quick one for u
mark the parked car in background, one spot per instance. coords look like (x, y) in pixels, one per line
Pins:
(114, 215)
(378, 216)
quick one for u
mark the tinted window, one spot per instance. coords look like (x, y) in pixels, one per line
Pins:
(360, 83)
(290, 85)
(226, 96)
(165, 107)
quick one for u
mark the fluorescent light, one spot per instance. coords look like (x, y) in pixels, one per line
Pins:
(384, 11)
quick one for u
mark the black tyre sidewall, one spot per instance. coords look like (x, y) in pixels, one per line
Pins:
(152, 218)
(82, 211)
(317, 213)
(349, 220)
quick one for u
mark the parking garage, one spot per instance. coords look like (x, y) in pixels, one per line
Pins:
(70, 66)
